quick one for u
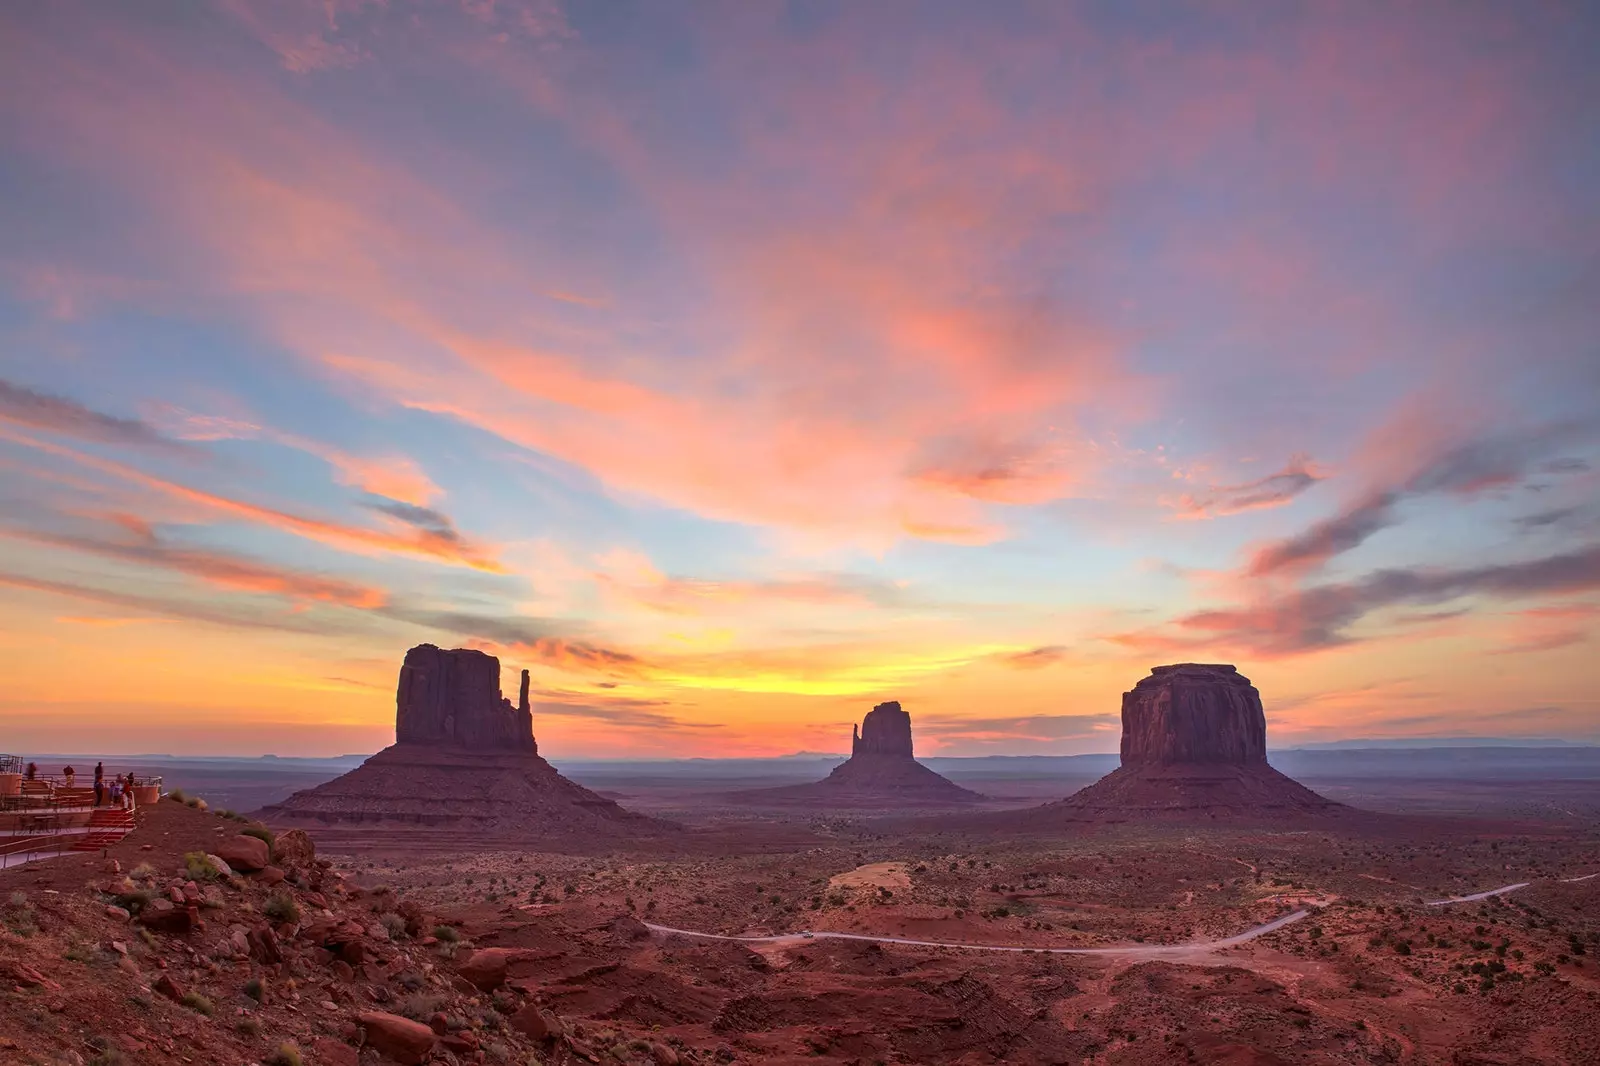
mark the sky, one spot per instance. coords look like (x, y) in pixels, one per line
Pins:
(736, 366)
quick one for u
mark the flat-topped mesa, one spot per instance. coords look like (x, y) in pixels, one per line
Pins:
(886, 730)
(452, 699)
(1193, 714)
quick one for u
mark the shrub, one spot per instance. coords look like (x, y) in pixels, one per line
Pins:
(19, 899)
(418, 1008)
(198, 1003)
(200, 805)
(143, 872)
(177, 796)
(446, 933)
(281, 907)
(199, 867)
(394, 925)
(286, 1055)
(256, 989)
(247, 1026)
(262, 833)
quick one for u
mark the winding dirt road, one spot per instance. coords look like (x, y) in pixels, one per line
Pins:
(1124, 951)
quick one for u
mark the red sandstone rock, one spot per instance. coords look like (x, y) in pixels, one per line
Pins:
(401, 1039)
(1193, 748)
(245, 853)
(453, 698)
(263, 945)
(1193, 713)
(465, 758)
(169, 987)
(164, 916)
(535, 1022)
(293, 848)
(326, 1051)
(881, 772)
(485, 970)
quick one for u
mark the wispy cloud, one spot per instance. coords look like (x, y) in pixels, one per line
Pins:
(424, 543)
(1303, 620)
(57, 414)
(1274, 490)
(1466, 469)
(222, 569)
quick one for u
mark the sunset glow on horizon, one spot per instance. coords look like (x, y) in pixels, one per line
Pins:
(735, 367)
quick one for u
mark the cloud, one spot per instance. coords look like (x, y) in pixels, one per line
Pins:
(633, 578)
(620, 712)
(395, 477)
(289, 622)
(424, 543)
(1303, 620)
(1274, 490)
(531, 639)
(949, 733)
(1466, 469)
(1559, 516)
(56, 414)
(435, 523)
(1034, 658)
(215, 568)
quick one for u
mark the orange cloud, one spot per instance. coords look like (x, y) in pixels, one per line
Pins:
(427, 543)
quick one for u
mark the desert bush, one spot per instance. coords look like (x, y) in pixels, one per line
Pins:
(247, 1026)
(256, 989)
(199, 867)
(143, 872)
(177, 796)
(198, 1003)
(281, 907)
(394, 925)
(286, 1055)
(446, 933)
(200, 805)
(419, 1008)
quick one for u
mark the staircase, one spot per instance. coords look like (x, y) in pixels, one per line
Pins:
(107, 826)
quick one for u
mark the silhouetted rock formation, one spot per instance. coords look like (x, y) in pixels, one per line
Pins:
(464, 758)
(1194, 745)
(886, 730)
(881, 772)
(453, 698)
(1193, 713)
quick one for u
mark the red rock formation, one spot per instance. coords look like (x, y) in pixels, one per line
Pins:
(463, 758)
(886, 730)
(453, 698)
(1194, 746)
(881, 772)
(1193, 713)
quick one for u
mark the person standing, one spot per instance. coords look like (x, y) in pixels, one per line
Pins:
(70, 774)
(99, 783)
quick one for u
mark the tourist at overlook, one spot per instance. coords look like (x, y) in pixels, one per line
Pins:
(70, 774)
(99, 783)
(33, 771)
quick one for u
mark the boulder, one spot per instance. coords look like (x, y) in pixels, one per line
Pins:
(326, 1051)
(245, 853)
(223, 869)
(294, 848)
(169, 987)
(535, 1023)
(163, 916)
(485, 969)
(402, 1039)
(263, 945)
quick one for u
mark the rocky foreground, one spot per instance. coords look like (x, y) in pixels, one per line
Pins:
(193, 943)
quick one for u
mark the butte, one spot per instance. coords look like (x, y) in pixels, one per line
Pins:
(881, 772)
(464, 760)
(1194, 746)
